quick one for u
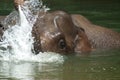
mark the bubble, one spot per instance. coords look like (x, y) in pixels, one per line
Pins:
(17, 41)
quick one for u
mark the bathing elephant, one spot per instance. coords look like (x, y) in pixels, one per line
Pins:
(77, 32)
(56, 32)
(65, 33)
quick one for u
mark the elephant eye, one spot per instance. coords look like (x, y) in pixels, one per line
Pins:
(62, 44)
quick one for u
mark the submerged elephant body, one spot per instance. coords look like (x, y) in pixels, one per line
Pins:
(79, 34)
(99, 37)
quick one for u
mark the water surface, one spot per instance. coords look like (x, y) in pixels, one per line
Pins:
(102, 66)
(99, 65)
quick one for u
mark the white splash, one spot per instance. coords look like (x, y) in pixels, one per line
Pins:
(17, 42)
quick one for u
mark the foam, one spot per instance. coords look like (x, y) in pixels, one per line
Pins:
(17, 41)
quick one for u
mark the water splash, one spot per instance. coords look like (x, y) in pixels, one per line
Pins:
(17, 41)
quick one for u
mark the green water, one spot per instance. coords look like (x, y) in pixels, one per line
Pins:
(100, 65)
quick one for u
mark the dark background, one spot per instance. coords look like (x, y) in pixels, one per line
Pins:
(72, 6)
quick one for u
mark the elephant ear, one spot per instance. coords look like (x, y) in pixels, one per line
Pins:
(82, 44)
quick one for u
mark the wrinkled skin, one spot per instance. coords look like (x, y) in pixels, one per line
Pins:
(56, 32)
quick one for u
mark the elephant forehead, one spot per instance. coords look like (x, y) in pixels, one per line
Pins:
(51, 35)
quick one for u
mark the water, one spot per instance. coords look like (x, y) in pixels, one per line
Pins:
(99, 65)
(93, 67)
(16, 47)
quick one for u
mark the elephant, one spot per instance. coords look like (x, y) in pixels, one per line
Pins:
(98, 36)
(56, 32)
(64, 33)
(79, 33)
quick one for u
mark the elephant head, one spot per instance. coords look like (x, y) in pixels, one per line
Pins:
(56, 32)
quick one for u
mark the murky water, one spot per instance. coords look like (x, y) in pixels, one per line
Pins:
(102, 66)
(99, 65)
